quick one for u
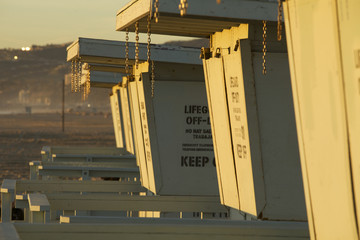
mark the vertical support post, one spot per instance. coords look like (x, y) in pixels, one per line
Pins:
(6, 207)
(38, 217)
(63, 106)
(27, 215)
(33, 172)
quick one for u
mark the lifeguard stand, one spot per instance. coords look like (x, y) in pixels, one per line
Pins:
(169, 161)
(252, 115)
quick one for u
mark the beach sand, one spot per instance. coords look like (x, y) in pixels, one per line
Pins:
(22, 136)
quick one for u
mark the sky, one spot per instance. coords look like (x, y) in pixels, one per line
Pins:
(39, 22)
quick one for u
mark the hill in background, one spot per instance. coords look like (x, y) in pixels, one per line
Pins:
(34, 78)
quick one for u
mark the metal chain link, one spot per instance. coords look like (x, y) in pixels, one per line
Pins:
(88, 86)
(279, 18)
(149, 57)
(137, 45)
(76, 75)
(156, 14)
(72, 75)
(127, 51)
(84, 91)
(152, 78)
(149, 38)
(183, 7)
(79, 72)
(264, 47)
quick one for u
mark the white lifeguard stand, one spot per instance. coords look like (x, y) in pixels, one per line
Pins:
(252, 115)
(171, 129)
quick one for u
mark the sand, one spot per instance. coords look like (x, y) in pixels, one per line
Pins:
(22, 136)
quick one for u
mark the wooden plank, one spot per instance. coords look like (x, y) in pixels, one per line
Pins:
(204, 230)
(113, 52)
(8, 232)
(221, 132)
(348, 18)
(91, 171)
(131, 163)
(321, 117)
(77, 186)
(134, 203)
(8, 189)
(138, 135)
(84, 150)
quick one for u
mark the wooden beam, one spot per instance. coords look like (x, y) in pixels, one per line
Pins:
(202, 230)
(78, 186)
(115, 202)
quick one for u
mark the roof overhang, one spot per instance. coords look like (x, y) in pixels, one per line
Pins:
(203, 18)
(96, 51)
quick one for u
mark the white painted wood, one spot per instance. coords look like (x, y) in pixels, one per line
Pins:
(113, 52)
(125, 106)
(203, 18)
(8, 186)
(6, 207)
(8, 232)
(348, 18)
(8, 189)
(77, 186)
(126, 163)
(160, 231)
(38, 202)
(106, 78)
(39, 208)
(325, 93)
(93, 158)
(220, 128)
(118, 121)
(73, 171)
(138, 137)
(87, 150)
(178, 146)
(263, 156)
(115, 202)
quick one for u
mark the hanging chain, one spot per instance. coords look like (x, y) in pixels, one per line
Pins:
(86, 88)
(79, 77)
(75, 75)
(127, 51)
(149, 57)
(156, 14)
(84, 91)
(88, 83)
(279, 18)
(148, 39)
(137, 45)
(72, 75)
(152, 78)
(183, 7)
(264, 46)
